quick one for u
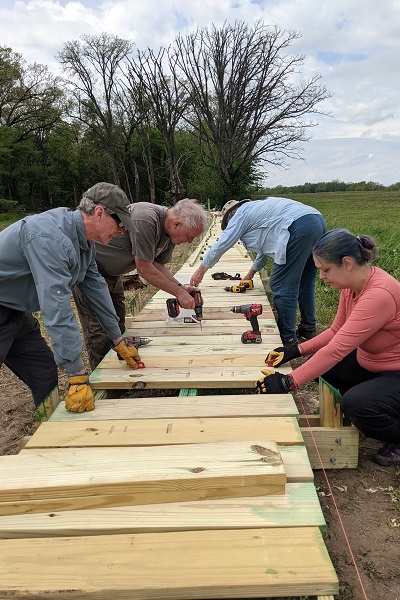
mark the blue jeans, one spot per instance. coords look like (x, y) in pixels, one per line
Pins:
(293, 283)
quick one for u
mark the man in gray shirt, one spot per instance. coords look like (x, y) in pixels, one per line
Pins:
(42, 257)
(146, 247)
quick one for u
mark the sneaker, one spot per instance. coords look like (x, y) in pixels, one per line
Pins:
(388, 455)
(304, 334)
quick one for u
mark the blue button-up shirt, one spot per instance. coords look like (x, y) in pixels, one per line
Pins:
(41, 258)
(263, 227)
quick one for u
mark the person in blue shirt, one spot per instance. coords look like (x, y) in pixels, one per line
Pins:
(42, 257)
(286, 231)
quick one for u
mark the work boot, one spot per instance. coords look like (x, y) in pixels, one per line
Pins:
(305, 334)
(292, 342)
(388, 455)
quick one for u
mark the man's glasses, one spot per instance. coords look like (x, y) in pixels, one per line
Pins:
(116, 219)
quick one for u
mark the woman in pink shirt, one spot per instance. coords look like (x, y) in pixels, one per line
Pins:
(360, 353)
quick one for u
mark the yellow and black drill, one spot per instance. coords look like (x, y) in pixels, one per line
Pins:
(244, 285)
(251, 312)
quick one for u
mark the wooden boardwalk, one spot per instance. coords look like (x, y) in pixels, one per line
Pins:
(204, 494)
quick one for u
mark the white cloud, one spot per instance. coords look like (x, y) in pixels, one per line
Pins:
(354, 45)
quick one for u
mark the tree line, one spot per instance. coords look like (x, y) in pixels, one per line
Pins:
(328, 186)
(198, 118)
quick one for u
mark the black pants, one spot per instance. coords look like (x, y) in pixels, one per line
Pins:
(26, 353)
(370, 400)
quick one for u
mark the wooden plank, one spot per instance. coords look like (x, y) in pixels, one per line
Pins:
(210, 327)
(161, 328)
(117, 461)
(226, 340)
(122, 377)
(207, 356)
(155, 566)
(160, 432)
(239, 405)
(329, 407)
(331, 448)
(297, 507)
(101, 477)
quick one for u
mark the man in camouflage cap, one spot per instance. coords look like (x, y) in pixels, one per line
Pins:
(42, 257)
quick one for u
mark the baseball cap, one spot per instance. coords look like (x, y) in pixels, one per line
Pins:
(113, 199)
(228, 208)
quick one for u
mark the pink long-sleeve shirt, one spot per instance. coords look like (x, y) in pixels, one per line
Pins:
(369, 322)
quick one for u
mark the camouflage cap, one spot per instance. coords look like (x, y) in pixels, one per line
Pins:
(113, 199)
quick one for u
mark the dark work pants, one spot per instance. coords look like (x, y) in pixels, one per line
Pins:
(370, 400)
(96, 340)
(26, 353)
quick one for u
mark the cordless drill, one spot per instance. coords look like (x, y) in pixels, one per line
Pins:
(173, 305)
(251, 312)
(236, 289)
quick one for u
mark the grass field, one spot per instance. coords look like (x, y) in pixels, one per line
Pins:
(372, 213)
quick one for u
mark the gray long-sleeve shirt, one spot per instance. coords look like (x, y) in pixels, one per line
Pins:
(41, 258)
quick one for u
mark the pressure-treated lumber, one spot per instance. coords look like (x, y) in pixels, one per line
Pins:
(194, 564)
(332, 447)
(329, 408)
(210, 327)
(297, 507)
(143, 475)
(123, 377)
(159, 432)
(198, 356)
(176, 407)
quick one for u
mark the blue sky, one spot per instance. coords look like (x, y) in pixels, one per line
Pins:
(355, 46)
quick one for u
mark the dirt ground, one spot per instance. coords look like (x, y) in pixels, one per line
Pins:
(361, 506)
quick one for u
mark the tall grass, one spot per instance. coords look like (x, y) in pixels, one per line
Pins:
(372, 213)
(8, 218)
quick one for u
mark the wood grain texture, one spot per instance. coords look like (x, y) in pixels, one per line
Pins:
(210, 564)
(160, 432)
(122, 377)
(176, 407)
(297, 507)
(142, 475)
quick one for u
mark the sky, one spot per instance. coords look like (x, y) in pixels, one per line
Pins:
(353, 44)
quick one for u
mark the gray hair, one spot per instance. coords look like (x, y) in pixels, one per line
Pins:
(87, 206)
(191, 213)
(335, 244)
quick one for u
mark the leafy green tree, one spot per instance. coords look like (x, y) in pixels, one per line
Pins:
(31, 103)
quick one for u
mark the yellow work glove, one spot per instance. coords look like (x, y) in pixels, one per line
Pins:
(129, 353)
(248, 284)
(273, 383)
(282, 355)
(80, 396)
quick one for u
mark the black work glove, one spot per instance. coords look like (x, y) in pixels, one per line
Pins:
(273, 383)
(282, 355)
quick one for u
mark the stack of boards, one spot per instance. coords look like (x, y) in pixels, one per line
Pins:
(197, 495)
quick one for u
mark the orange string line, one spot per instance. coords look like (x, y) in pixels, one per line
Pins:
(335, 505)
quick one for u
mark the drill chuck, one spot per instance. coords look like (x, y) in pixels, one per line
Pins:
(243, 310)
(138, 341)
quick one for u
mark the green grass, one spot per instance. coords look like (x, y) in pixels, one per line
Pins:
(372, 213)
(8, 218)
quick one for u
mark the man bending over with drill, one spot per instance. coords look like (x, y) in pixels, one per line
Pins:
(41, 258)
(147, 247)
